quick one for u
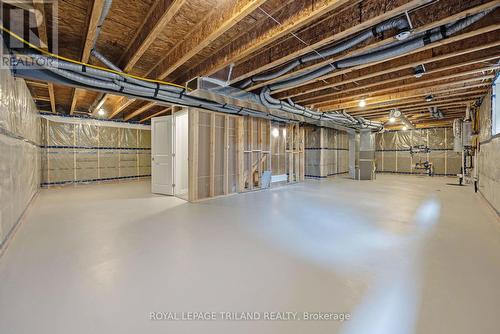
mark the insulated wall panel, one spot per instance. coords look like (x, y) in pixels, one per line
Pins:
(77, 150)
(404, 162)
(20, 137)
(400, 151)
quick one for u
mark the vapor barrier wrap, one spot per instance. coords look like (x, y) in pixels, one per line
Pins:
(77, 150)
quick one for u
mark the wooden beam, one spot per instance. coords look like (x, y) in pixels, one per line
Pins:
(123, 103)
(314, 86)
(368, 95)
(264, 35)
(159, 15)
(221, 20)
(410, 103)
(431, 25)
(377, 82)
(139, 111)
(337, 29)
(90, 36)
(156, 114)
(359, 75)
(42, 31)
(410, 93)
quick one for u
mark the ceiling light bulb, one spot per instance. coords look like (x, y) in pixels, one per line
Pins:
(101, 112)
(428, 98)
(275, 132)
(392, 120)
(362, 103)
(405, 128)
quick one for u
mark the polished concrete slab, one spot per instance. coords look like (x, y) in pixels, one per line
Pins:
(402, 254)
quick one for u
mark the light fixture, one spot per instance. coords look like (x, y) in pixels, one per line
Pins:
(405, 128)
(275, 132)
(419, 71)
(392, 119)
(362, 103)
(101, 112)
(428, 98)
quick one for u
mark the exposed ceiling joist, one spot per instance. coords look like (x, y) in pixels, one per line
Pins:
(261, 37)
(221, 20)
(160, 14)
(395, 61)
(327, 34)
(139, 111)
(121, 104)
(448, 19)
(156, 114)
(421, 91)
(437, 75)
(42, 34)
(359, 75)
(90, 35)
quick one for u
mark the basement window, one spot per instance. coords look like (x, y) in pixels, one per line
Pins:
(495, 107)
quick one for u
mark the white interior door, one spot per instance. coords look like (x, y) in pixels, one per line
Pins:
(162, 155)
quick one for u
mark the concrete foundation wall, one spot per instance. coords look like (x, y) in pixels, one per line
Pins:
(488, 157)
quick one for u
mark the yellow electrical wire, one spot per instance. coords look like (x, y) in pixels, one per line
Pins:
(85, 64)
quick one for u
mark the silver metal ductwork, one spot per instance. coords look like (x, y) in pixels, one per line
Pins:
(233, 100)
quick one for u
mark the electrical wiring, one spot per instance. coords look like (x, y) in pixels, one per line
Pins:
(19, 38)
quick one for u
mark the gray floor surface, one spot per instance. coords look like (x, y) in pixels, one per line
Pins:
(400, 255)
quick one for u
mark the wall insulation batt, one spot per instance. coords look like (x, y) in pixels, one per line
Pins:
(326, 151)
(399, 151)
(19, 151)
(77, 150)
(489, 156)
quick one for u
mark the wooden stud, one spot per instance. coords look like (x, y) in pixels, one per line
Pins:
(212, 155)
(193, 116)
(225, 153)
(240, 158)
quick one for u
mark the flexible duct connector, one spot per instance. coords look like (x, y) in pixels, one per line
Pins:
(399, 23)
(392, 50)
(121, 83)
(104, 13)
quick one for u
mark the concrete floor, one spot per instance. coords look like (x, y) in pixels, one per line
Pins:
(402, 254)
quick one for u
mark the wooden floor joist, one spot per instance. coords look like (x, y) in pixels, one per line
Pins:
(381, 43)
(233, 40)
